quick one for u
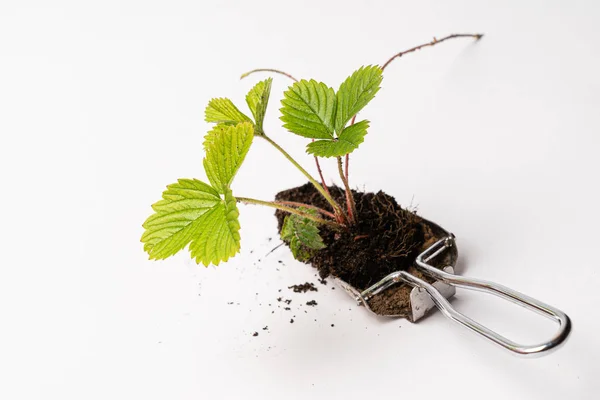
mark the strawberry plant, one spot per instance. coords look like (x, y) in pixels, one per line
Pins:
(203, 215)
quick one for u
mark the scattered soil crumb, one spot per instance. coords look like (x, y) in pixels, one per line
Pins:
(266, 328)
(323, 282)
(288, 301)
(311, 303)
(303, 288)
(332, 325)
(291, 321)
(255, 334)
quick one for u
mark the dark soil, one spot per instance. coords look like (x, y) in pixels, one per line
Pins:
(303, 288)
(387, 238)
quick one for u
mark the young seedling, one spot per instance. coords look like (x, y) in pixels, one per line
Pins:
(205, 215)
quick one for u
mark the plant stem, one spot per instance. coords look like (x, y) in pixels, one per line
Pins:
(296, 204)
(349, 198)
(345, 175)
(321, 174)
(290, 210)
(346, 166)
(336, 208)
(277, 71)
(435, 41)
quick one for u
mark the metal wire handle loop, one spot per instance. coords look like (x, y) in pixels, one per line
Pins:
(498, 290)
(476, 284)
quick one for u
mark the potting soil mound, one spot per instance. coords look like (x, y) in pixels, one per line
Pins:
(386, 238)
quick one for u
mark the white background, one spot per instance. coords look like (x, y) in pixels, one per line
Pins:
(101, 106)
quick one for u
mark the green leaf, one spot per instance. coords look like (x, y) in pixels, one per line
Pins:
(355, 93)
(216, 131)
(225, 151)
(348, 141)
(177, 217)
(309, 109)
(193, 212)
(302, 234)
(258, 99)
(223, 111)
(219, 237)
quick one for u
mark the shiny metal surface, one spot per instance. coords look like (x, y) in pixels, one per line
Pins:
(421, 302)
(498, 290)
(443, 304)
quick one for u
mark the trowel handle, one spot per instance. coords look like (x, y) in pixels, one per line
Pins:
(496, 289)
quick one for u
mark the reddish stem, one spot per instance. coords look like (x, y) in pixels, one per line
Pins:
(321, 173)
(297, 204)
(435, 41)
(348, 155)
(346, 176)
(277, 71)
(349, 206)
(349, 198)
(346, 166)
